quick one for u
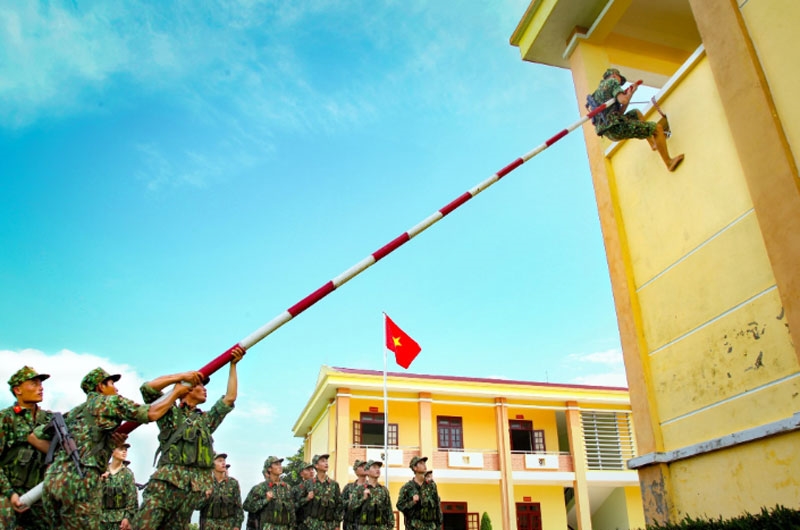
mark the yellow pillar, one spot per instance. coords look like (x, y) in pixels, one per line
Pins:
(587, 63)
(341, 448)
(504, 462)
(425, 426)
(578, 451)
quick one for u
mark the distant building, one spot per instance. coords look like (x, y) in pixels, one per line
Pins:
(705, 261)
(532, 455)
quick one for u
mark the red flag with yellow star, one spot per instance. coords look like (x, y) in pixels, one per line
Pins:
(404, 347)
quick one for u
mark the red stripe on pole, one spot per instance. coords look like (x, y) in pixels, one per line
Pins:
(597, 111)
(311, 299)
(556, 138)
(218, 363)
(509, 168)
(391, 246)
(456, 203)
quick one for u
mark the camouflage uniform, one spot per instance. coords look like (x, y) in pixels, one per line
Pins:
(277, 513)
(75, 503)
(120, 499)
(613, 124)
(325, 510)
(348, 519)
(425, 514)
(223, 509)
(298, 493)
(183, 475)
(374, 512)
(21, 465)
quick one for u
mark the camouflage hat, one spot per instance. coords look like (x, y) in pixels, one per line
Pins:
(416, 460)
(95, 377)
(358, 463)
(307, 465)
(271, 460)
(371, 463)
(26, 373)
(317, 458)
(613, 71)
(220, 455)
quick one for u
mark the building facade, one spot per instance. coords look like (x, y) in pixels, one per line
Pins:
(705, 261)
(531, 455)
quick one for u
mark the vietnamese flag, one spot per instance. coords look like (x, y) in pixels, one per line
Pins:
(404, 347)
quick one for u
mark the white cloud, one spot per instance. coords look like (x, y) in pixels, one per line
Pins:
(605, 368)
(607, 357)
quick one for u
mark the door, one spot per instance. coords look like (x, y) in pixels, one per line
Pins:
(529, 516)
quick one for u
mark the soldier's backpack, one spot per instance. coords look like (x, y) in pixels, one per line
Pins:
(599, 120)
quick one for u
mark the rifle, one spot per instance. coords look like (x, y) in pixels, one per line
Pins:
(62, 438)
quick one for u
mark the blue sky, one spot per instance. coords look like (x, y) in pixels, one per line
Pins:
(174, 175)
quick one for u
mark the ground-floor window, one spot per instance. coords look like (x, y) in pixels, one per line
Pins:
(529, 516)
(456, 517)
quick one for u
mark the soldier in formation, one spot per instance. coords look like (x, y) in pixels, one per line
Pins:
(21, 464)
(222, 507)
(183, 474)
(348, 522)
(419, 500)
(370, 502)
(322, 505)
(270, 504)
(120, 497)
(299, 492)
(72, 494)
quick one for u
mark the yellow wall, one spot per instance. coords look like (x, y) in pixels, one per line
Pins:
(479, 426)
(404, 413)
(721, 357)
(745, 478)
(772, 26)
(551, 499)
(320, 436)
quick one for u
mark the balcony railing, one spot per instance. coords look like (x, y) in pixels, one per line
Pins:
(541, 461)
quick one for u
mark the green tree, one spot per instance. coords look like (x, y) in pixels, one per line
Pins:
(292, 466)
(194, 526)
(486, 523)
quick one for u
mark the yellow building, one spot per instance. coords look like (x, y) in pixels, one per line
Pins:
(531, 455)
(705, 261)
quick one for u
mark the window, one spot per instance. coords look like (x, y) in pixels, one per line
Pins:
(369, 431)
(524, 438)
(608, 439)
(450, 432)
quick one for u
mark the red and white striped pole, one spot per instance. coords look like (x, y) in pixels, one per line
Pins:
(379, 254)
(35, 493)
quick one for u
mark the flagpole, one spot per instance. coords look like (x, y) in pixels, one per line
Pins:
(385, 416)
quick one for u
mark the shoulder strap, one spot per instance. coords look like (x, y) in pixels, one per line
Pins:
(173, 437)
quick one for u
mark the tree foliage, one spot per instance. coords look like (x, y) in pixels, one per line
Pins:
(292, 466)
(486, 523)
